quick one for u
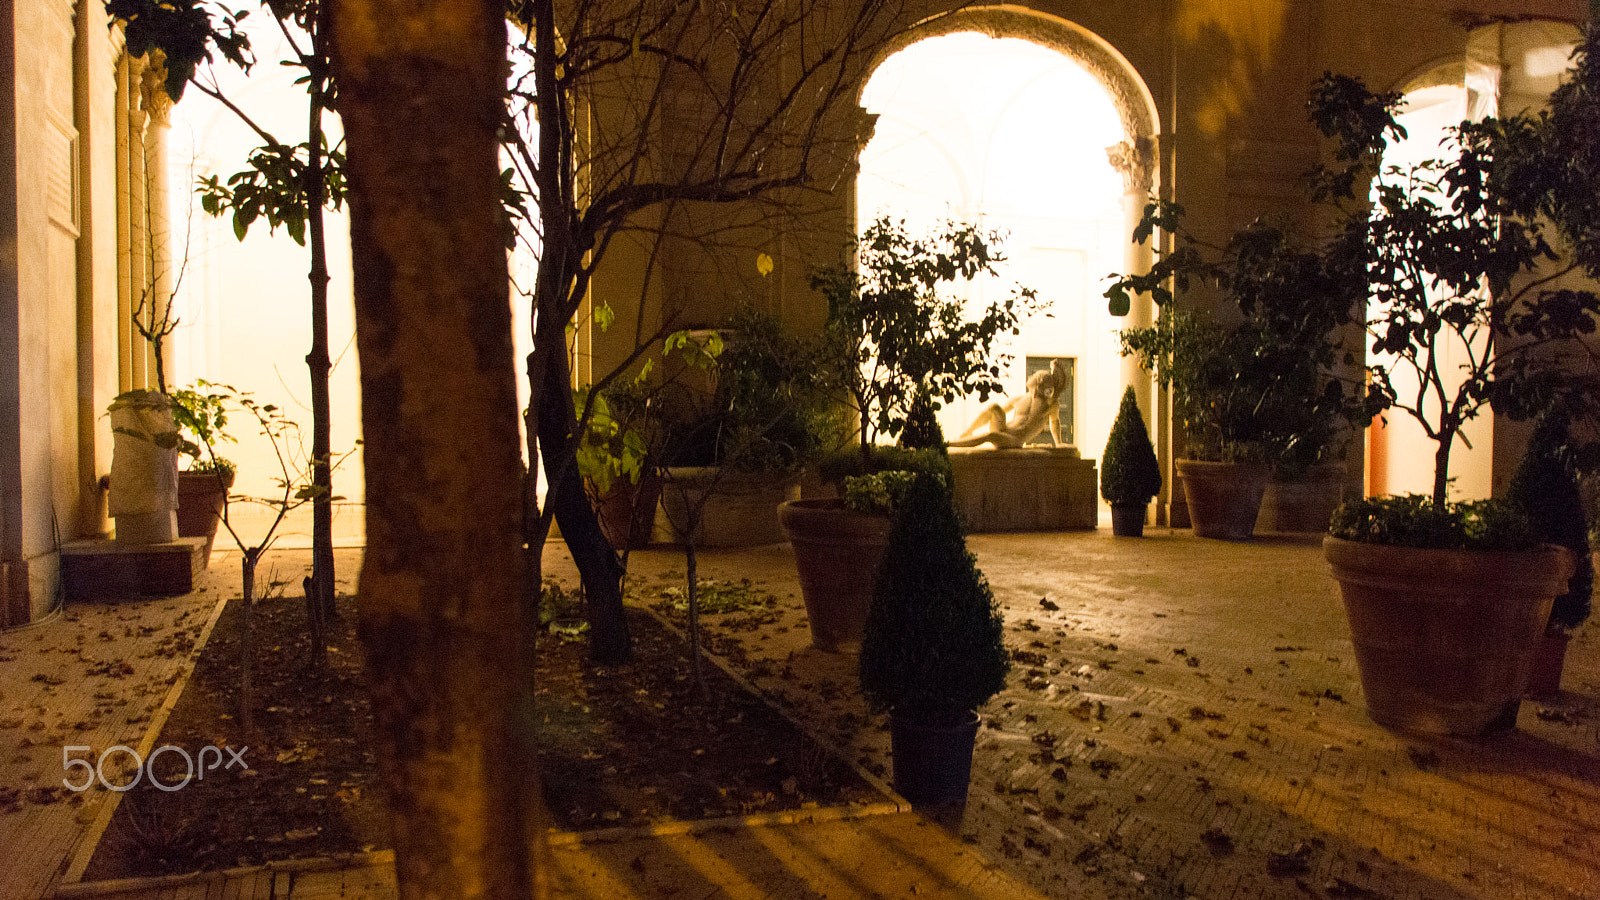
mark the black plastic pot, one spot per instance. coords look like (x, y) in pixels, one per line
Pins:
(1127, 519)
(933, 760)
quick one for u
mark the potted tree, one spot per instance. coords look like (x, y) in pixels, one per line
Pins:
(1130, 476)
(1256, 390)
(1546, 487)
(934, 650)
(200, 414)
(733, 454)
(893, 340)
(1447, 600)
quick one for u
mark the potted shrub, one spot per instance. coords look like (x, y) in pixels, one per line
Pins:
(893, 343)
(733, 454)
(934, 650)
(1546, 487)
(1256, 389)
(838, 542)
(1130, 476)
(203, 485)
(1447, 601)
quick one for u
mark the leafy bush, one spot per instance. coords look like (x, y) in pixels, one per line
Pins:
(1546, 487)
(773, 408)
(1414, 520)
(934, 642)
(1129, 472)
(841, 464)
(922, 431)
(880, 493)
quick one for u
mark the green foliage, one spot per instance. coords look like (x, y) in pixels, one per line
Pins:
(1129, 471)
(934, 642)
(1414, 520)
(274, 187)
(880, 493)
(836, 467)
(1264, 386)
(1457, 255)
(201, 414)
(185, 31)
(772, 408)
(1546, 487)
(922, 431)
(891, 333)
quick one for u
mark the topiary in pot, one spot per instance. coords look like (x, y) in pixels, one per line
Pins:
(1546, 487)
(933, 650)
(1129, 473)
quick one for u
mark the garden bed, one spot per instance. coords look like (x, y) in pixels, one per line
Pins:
(636, 745)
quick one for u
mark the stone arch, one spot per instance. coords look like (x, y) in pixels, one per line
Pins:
(1136, 159)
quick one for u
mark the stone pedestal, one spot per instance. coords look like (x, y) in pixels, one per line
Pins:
(1031, 489)
(98, 570)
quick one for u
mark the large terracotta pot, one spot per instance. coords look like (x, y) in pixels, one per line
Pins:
(1302, 505)
(1445, 639)
(201, 498)
(836, 553)
(1224, 498)
(737, 509)
(1548, 661)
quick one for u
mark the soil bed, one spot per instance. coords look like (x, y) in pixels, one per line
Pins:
(629, 745)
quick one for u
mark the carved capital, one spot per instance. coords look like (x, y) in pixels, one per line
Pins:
(1136, 160)
(153, 97)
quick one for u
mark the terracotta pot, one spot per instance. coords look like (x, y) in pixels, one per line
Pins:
(201, 497)
(737, 509)
(836, 553)
(932, 760)
(1302, 505)
(1127, 519)
(627, 512)
(1445, 639)
(1548, 661)
(1223, 498)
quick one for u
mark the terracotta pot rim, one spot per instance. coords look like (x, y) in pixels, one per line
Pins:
(1546, 562)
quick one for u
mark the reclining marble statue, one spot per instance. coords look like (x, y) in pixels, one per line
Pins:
(1016, 423)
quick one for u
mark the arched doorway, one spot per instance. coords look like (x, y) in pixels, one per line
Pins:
(1030, 125)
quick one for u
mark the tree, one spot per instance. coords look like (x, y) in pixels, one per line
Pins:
(647, 114)
(292, 186)
(289, 185)
(422, 87)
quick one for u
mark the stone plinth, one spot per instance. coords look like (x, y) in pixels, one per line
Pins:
(1031, 489)
(93, 570)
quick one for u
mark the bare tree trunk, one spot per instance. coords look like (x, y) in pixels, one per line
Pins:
(247, 713)
(319, 601)
(422, 85)
(597, 562)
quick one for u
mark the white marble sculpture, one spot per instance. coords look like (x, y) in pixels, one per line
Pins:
(1010, 426)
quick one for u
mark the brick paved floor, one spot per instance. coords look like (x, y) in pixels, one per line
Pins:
(1186, 720)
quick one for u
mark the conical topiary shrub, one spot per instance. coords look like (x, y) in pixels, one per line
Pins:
(1546, 486)
(1129, 473)
(934, 649)
(922, 431)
